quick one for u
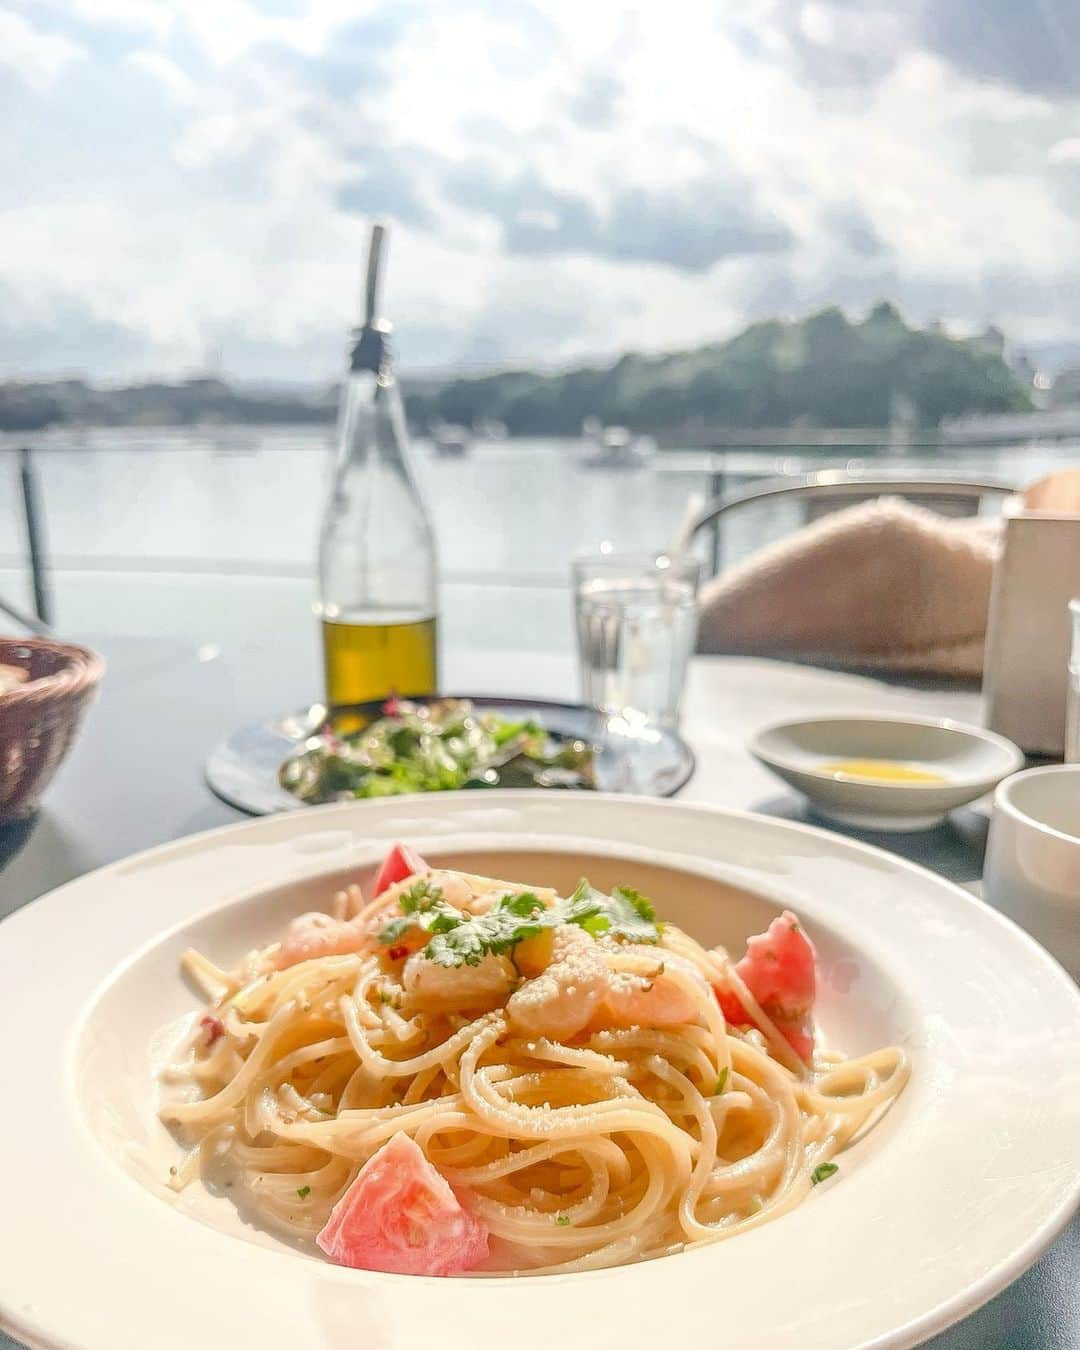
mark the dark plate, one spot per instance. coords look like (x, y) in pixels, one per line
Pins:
(243, 769)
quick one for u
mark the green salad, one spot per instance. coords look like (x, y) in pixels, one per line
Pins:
(434, 747)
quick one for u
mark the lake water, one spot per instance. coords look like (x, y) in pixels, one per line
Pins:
(178, 533)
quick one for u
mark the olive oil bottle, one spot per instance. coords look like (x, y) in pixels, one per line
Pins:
(377, 568)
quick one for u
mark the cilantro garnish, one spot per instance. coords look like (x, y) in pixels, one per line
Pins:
(721, 1082)
(425, 909)
(303, 1192)
(624, 913)
(461, 939)
(510, 920)
(822, 1172)
(525, 905)
(563, 1220)
(420, 896)
(395, 930)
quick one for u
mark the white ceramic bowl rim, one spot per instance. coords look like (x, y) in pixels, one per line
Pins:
(1008, 748)
(1003, 798)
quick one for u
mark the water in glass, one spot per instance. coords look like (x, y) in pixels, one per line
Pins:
(635, 635)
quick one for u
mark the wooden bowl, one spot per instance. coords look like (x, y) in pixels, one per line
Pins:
(40, 718)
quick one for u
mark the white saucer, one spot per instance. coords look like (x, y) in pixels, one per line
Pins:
(972, 762)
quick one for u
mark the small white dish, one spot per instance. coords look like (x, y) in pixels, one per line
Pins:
(968, 760)
(960, 1188)
(1033, 857)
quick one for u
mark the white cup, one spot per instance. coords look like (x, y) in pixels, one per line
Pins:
(1032, 871)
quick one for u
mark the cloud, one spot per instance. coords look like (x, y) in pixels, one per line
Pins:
(166, 74)
(691, 227)
(54, 333)
(846, 43)
(351, 64)
(564, 180)
(596, 102)
(688, 227)
(35, 57)
(1033, 45)
(155, 16)
(852, 230)
(386, 184)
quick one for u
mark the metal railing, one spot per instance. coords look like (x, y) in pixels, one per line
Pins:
(832, 484)
(34, 527)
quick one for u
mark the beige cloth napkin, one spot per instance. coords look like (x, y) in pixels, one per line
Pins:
(883, 585)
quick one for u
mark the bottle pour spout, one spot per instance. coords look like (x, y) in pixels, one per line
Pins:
(370, 345)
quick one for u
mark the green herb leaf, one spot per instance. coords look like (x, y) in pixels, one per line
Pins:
(721, 1082)
(513, 919)
(625, 913)
(431, 748)
(395, 930)
(463, 939)
(822, 1172)
(459, 939)
(563, 1220)
(303, 1192)
(525, 905)
(419, 897)
(425, 909)
(641, 904)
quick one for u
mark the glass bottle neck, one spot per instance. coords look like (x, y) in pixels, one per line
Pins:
(371, 424)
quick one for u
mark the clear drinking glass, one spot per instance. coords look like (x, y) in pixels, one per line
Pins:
(1072, 698)
(636, 619)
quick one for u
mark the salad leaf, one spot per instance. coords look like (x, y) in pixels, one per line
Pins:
(434, 747)
(504, 730)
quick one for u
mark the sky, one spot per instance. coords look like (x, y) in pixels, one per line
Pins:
(191, 181)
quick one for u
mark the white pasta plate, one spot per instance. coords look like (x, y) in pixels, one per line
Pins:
(969, 1177)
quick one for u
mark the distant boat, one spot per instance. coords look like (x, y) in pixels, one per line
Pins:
(450, 441)
(614, 447)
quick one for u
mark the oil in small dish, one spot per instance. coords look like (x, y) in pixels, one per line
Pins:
(880, 771)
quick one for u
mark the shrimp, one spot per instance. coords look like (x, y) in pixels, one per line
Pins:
(312, 935)
(478, 895)
(472, 895)
(436, 988)
(656, 999)
(562, 1000)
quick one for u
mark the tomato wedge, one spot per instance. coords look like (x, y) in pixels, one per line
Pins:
(399, 863)
(400, 1216)
(778, 969)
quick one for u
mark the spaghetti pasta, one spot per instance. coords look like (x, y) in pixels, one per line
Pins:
(563, 1063)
